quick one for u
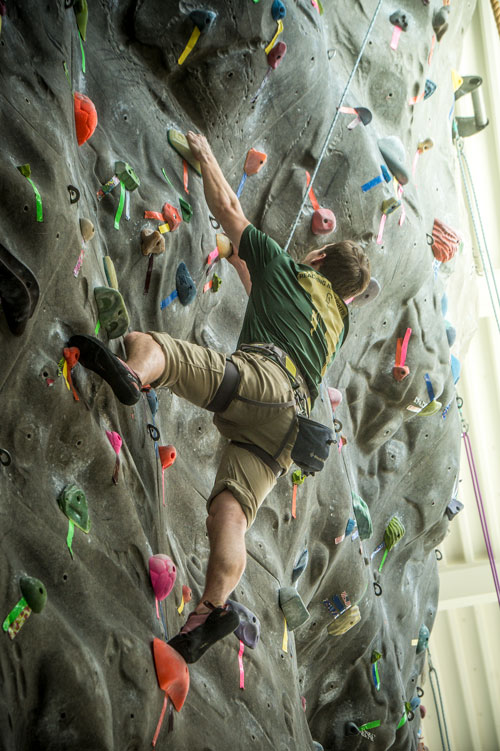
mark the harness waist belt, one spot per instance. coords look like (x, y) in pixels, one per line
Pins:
(273, 465)
(227, 389)
(285, 362)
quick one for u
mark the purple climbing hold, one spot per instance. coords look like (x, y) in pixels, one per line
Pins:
(453, 508)
(249, 626)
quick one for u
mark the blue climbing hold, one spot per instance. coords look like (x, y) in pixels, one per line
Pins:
(430, 88)
(386, 174)
(349, 526)
(203, 19)
(455, 368)
(451, 333)
(152, 398)
(186, 288)
(444, 304)
(278, 10)
(300, 565)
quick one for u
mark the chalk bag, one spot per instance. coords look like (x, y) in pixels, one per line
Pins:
(312, 446)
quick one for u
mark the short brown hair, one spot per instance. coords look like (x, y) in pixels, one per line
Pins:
(346, 267)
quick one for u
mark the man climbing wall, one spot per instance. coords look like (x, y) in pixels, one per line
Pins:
(295, 322)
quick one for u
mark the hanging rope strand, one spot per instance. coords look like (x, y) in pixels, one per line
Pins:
(439, 707)
(486, 275)
(325, 145)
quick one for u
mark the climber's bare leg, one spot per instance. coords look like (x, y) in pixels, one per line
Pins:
(226, 525)
(144, 356)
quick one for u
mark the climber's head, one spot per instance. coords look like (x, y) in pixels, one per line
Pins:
(344, 264)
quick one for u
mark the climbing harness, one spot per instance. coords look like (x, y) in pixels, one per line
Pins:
(479, 499)
(441, 717)
(337, 113)
(489, 276)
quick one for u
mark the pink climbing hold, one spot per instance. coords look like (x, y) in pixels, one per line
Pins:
(323, 222)
(335, 397)
(162, 572)
(276, 55)
(186, 593)
(115, 440)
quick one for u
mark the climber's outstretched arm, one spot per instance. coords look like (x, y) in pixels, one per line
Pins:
(220, 197)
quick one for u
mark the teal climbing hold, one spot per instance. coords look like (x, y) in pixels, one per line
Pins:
(184, 284)
(363, 517)
(203, 19)
(423, 638)
(278, 10)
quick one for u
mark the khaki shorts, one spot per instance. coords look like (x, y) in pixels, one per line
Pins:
(195, 374)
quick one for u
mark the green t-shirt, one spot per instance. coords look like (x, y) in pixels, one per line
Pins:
(292, 306)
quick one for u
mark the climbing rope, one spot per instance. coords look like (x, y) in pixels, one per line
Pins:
(337, 113)
(462, 160)
(439, 707)
(479, 499)
(495, 7)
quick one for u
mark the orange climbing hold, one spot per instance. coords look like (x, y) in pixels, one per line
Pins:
(85, 117)
(254, 162)
(172, 673)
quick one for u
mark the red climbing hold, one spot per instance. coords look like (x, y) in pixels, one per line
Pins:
(168, 455)
(85, 117)
(186, 593)
(276, 55)
(171, 215)
(323, 222)
(254, 161)
(172, 673)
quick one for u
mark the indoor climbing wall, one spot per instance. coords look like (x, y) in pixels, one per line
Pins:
(99, 209)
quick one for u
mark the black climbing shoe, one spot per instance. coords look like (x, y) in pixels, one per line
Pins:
(217, 624)
(19, 291)
(97, 357)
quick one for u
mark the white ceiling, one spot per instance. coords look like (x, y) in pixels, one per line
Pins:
(465, 641)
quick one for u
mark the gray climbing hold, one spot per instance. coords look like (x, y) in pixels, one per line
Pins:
(293, 608)
(363, 517)
(440, 21)
(370, 293)
(300, 565)
(399, 18)
(203, 19)
(249, 626)
(393, 151)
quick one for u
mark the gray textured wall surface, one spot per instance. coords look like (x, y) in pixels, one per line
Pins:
(80, 675)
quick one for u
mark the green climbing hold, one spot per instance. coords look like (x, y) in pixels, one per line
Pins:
(376, 656)
(34, 593)
(25, 170)
(347, 620)
(109, 270)
(112, 311)
(73, 503)
(216, 282)
(363, 518)
(430, 409)
(394, 532)
(82, 14)
(297, 477)
(186, 209)
(179, 143)
(293, 608)
(126, 175)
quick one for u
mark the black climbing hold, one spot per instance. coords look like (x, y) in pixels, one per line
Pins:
(213, 221)
(410, 716)
(278, 10)
(186, 288)
(74, 194)
(430, 88)
(350, 728)
(399, 18)
(203, 19)
(153, 432)
(5, 457)
(337, 426)
(16, 279)
(34, 593)
(439, 555)
(364, 114)
(377, 589)
(420, 692)
(453, 508)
